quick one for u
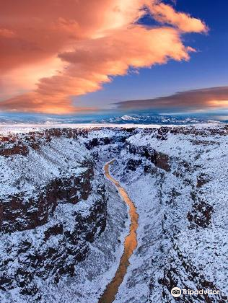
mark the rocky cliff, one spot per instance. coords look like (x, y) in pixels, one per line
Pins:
(52, 205)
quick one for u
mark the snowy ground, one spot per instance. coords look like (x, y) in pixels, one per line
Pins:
(25, 128)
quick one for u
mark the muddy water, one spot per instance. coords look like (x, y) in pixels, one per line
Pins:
(130, 243)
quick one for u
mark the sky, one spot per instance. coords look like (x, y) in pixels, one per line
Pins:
(69, 57)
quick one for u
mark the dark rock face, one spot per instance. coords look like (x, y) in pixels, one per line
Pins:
(105, 141)
(133, 164)
(200, 215)
(15, 150)
(201, 180)
(159, 159)
(162, 133)
(17, 215)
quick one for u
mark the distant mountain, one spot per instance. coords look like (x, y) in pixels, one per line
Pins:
(116, 118)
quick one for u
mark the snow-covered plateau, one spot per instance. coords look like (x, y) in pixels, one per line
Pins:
(63, 223)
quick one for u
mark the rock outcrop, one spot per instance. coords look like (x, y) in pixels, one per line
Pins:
(18, 215)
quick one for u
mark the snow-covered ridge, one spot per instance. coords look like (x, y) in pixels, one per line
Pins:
(25, 128)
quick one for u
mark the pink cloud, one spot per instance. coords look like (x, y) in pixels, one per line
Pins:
(209, 99)
(81, 45)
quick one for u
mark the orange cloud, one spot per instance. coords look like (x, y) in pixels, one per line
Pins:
(166, 14)
(34, 102)
(81, 45)
(6, 33)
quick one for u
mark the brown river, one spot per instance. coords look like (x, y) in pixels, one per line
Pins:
(130, 243)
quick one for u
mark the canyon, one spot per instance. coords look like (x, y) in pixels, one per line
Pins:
(63, 224)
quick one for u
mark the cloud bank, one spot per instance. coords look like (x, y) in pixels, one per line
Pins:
(208, 99)
(53, 50)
